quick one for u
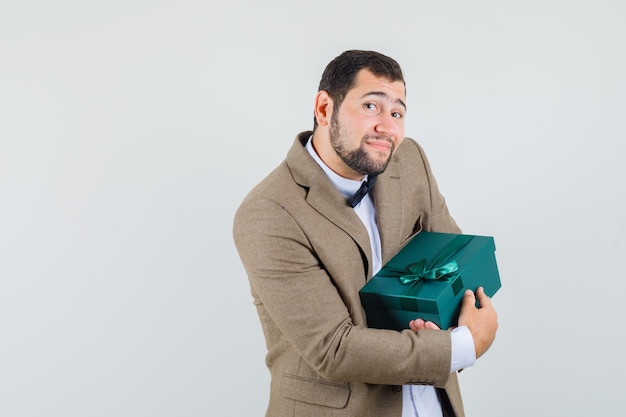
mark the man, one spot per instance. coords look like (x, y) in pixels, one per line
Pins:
(308, 246)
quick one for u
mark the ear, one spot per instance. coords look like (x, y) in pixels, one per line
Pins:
(323, 108)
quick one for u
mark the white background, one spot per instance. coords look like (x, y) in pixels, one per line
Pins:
(131, 130)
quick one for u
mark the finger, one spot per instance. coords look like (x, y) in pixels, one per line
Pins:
(469, 299)
(416, 324)
(432, 326)
(483, 299)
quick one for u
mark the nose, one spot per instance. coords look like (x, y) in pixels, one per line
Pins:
(387, 125)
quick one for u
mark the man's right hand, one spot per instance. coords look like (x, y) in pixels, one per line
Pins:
(482, 321)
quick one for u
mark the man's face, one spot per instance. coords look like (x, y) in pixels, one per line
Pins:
(369, 124)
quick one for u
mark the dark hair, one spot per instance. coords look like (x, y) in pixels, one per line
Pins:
(338, 77)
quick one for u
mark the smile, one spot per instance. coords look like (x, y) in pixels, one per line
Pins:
(380, 144)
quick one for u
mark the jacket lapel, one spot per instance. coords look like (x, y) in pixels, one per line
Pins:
(387, 195)
(324, 197)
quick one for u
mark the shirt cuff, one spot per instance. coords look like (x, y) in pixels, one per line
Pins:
(463, 349)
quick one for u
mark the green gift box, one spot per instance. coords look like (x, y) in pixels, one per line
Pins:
(427, 278)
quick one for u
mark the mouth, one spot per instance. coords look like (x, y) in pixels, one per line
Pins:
(380, 144)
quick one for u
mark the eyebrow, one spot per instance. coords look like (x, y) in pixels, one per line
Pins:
(384, 95)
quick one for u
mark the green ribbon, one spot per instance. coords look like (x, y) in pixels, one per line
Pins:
(419, 274)
(440, 269)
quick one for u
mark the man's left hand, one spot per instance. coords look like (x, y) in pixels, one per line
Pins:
(419, 324)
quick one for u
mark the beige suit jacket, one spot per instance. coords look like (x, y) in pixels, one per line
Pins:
(307, 254)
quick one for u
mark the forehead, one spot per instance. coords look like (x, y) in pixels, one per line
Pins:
(366, 83)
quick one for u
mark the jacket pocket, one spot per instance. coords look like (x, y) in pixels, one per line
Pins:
(317, 392)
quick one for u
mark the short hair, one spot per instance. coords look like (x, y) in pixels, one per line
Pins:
(339, 75)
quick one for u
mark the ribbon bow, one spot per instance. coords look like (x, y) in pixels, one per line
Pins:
(440, 269)
(419, 273)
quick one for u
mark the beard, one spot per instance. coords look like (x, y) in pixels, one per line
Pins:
(358, 159)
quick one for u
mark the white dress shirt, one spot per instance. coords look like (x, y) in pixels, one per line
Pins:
(417, 400)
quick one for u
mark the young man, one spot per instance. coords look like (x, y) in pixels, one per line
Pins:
(309, 245)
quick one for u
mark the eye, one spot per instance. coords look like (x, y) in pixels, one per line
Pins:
(370, 106)
(397, 115)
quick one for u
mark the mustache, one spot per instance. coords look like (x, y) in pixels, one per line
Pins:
(379, 138)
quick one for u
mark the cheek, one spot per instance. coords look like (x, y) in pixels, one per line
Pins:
(355, 129)
(399, 140)
(400, 132)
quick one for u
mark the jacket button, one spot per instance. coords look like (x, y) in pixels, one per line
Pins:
(396, 388)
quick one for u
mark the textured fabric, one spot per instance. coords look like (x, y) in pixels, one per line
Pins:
(307, 254)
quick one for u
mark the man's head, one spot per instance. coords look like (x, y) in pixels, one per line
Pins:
(340, 73)
(359, 113)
